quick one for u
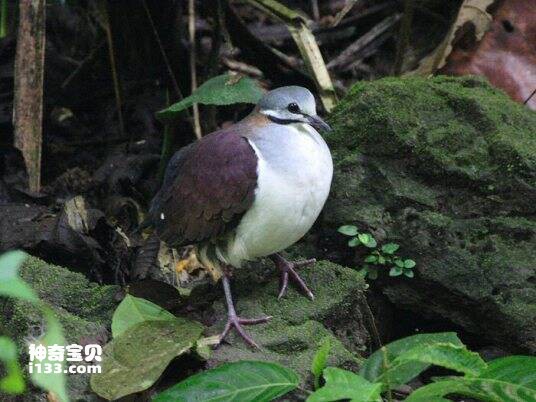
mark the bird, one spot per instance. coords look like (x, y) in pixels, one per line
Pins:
(249, 190)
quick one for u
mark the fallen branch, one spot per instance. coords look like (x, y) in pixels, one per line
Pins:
(305, 40)
(28, 101)
(348, 55)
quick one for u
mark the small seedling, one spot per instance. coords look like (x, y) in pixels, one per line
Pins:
(381, 256)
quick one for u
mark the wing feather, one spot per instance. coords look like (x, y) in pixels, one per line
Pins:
(207, 188)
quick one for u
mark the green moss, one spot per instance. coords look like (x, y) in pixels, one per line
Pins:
(84, 308)
(459, 125)
(446, 167)
(299, 325)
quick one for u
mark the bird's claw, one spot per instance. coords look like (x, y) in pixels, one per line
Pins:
(233, 321)
(288, 269)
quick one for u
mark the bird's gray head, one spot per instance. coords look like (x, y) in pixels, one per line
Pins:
(287, 105)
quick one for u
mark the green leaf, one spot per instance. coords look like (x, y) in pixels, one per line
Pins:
(508, 379)
(52, 382)
(448, 355)
(319, 361)
(371, 259)
(399, 263)
(220, 90)
(371, 243)
(390, 248)
(381, 260)
(348, 230)
(134, 310)
(409, 264)
(364, 237)
(372, 273)
(380, 364)
(354, 242)
(343, 384)
(134, 360)
(484, 389)
(515, 369)
(395, 271)
(244, 381)
(13, 382)
(10, 283)
(409, 273)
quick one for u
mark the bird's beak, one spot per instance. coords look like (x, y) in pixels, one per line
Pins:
(318, 124)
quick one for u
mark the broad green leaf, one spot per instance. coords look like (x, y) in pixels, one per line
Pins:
(134, 360)
(399, 263)
(244, 381)
(519, 370)
(390, 248)
(13, 382)
(408, 273)
(348, 230)
(343, 384)
(484, 389)
(364, 238)
(380, 364)
(508, 379)
(371, 243)
(224, 89)
(371, 259)
(353, 242)
(52, 382)
(133, 310)
(319, 361)
(409, 264)
(10, 283)
(395, 271)
(446, 355)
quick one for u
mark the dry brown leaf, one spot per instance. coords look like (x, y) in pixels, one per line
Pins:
(506, 55)
(473, 16)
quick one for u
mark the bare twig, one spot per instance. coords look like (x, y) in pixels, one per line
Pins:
(28, 101)
(167, 147)
(347, 56)
(163, 52)
(315, 10)
(3, 19)
(530, 97)
(82, 64)
(118, 102)
(193, 73)
(405, 35)
(345, 10)
(305, 40)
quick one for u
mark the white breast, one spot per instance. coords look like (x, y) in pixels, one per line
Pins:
(294, 177)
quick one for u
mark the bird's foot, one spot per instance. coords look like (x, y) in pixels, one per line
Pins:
(236, 322)
(287, 269)
(233, 321)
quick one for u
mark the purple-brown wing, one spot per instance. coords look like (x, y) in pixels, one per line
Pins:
(208, 187)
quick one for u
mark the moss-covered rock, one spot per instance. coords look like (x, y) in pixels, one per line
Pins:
(299, 325)
(84, 309)
(446, 167)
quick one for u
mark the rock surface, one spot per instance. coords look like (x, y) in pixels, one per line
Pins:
(299, 325)
(83, 308)
(446, 167)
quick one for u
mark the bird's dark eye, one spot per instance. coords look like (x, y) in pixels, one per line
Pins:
(293, 108)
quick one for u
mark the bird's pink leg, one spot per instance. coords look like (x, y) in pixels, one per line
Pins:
(287, 269)
(234, 321)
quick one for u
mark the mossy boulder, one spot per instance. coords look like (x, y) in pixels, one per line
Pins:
(446, 167)
(299, 325)
(84, 309)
